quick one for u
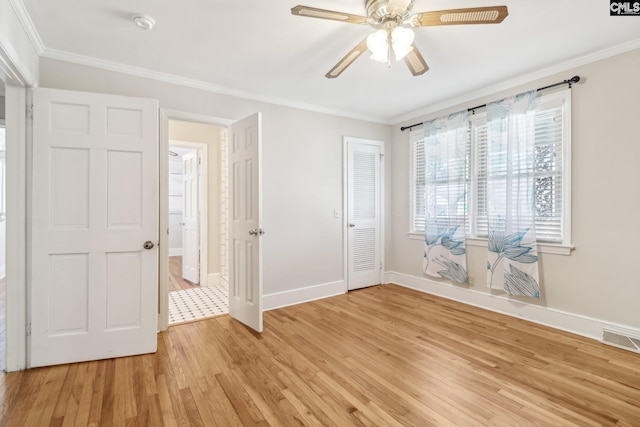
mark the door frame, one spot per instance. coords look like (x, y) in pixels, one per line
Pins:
(203, 200)
(163, 275)
(17, 78)
(346, 141)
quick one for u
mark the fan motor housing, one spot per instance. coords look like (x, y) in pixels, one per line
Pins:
(381, 11)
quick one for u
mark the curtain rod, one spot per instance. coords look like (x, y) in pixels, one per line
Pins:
(570, 82)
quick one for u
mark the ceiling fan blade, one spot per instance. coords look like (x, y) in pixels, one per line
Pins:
(416, 62)
(472, 15)
(347, 60)
(313, 12)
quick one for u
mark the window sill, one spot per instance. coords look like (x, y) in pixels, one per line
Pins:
(543, 248)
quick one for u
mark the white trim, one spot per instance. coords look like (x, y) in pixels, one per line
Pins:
(345, 143)
(197, 84)
(518, 81)
(13, 69)
(298, 296)
(16, 282)
(558, 319)
(212, 280)
(28, 25)
(163, 282)
(175, 252)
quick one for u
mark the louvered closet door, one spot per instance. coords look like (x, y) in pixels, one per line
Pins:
(363, 215)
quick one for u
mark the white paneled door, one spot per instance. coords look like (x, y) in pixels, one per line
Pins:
(94, 209)
(191, 218)
(245, 228)
(364, 261)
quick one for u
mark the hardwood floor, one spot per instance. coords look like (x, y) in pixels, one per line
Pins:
(176, 282)
(382, 356)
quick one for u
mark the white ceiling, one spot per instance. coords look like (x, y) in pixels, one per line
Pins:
(257, 49)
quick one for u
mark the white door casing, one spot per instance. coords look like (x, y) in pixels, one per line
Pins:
(94, 204)
(245, 228)
(191, 218)
(364, 212)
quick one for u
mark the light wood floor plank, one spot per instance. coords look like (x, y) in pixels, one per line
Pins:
(382, 356)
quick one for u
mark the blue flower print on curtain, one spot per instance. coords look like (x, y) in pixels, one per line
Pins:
(512, 258)
(446, 180)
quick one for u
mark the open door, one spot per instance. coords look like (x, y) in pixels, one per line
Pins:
(245, 228)
(191, 218)
(94, 227)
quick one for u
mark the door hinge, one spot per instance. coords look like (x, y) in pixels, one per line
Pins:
(30, 111)
(29, 329)
(199, 160)
(381, 155)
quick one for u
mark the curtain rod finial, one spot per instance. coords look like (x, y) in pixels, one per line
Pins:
(572, 80)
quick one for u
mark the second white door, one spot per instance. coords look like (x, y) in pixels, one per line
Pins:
(191, 218)
(363, 182)
(245, 228)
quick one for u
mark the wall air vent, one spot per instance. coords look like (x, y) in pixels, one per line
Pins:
(621, 339)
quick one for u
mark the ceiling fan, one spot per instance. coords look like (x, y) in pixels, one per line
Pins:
(392, 19)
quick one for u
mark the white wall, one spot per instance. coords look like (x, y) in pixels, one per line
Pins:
(3, 189)
(302, 169)
(600, 279)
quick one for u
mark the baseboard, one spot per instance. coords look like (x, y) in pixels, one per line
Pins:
(224, 281)
(175, 251)
(297, 296)
(569, 322)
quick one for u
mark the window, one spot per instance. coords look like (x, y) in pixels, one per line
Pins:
(552, 172)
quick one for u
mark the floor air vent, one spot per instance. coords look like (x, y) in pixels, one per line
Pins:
(621, 339)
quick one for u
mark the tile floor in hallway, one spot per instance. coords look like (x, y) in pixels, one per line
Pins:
(197, 303)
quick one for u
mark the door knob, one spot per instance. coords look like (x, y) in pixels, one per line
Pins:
(253, 232)
(351, 225)
(148, 245)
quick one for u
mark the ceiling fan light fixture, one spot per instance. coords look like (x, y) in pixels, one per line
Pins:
(402, 41)
(378, 44)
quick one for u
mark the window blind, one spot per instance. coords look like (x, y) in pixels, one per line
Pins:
(418, 179)
(548, 174)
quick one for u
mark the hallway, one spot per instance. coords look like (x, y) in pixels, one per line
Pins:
(189, 302)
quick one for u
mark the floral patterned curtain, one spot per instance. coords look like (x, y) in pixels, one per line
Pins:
(446, 150)
(513, 262)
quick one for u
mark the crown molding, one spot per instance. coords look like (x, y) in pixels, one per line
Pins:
(13, 69)
(197, 84)
(27, 25)
(518, 81)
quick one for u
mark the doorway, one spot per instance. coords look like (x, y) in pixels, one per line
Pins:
(196, 284)
(3, 231)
